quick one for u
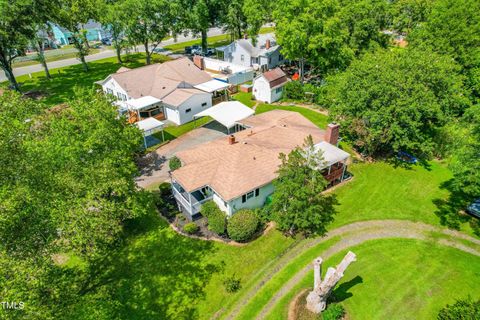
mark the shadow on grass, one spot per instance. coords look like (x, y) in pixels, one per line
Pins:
(157, 274)
(341, 292)
(451, 210)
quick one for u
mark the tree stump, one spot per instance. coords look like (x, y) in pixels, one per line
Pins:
(317, 298)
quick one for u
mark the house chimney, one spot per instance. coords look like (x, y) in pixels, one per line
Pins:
(198, 61)
(267, 44)
(231, 139)
(332, 133)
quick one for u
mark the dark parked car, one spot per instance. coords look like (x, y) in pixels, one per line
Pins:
(107, 41)
(474, 208)
(406, 157)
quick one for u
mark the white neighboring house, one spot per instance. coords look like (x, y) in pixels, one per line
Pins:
(264, 55)
(171, 87)
(238, 171)
(268, 87)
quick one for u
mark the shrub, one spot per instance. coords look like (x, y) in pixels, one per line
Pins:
(242, 225)
(174, 163)
(461, 309)
(333, 312)
(190, 228)
(165, 189)
(217, 220)
(293, 90)
(232, 284)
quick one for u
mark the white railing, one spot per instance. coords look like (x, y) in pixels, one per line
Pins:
(192, 208)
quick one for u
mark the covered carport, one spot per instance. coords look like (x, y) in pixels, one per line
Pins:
(217, 88)
(228, 114)
(148, 127)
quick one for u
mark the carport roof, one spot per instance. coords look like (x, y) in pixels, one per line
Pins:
(228, 113)
(143, 102)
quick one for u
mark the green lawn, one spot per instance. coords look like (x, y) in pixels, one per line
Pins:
(379, 190)
(319, 119)
(245, 98)
(399, 279)
(61, 87)
(69, 55)
(215, 41)
(174, 132)
(162, 275)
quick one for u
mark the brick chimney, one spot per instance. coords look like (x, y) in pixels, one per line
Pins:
(231, 139)
(198, 61)
(332, 134)
(267, 44)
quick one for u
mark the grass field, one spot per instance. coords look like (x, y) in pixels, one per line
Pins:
(245, 98)
(68, 55)
(60, 88)
(399, 279)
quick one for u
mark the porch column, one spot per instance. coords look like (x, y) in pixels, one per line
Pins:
(344, 168)
(190, 202)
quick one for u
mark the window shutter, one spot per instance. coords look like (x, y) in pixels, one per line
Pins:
(257, 192)
(244, 198)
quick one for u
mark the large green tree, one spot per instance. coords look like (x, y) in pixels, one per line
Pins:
(73, 15)
(115, 18)
(328, 34)
(149, 22)
(298, 204)
(407, 15)
(66, 189)
(453, 27)
(18, 19)
(391, 101)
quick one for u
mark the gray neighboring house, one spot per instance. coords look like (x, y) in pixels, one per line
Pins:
(265, 55)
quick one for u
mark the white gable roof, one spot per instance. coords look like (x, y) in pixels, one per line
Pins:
(331, 154)
(143, 102)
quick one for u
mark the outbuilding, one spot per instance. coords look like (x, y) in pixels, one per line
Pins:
(268, 87)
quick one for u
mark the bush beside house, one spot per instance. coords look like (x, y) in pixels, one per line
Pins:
(174, 163)
(242, 225)
(191, 228)
(217, 221)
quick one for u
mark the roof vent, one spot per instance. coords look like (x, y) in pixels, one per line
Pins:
(254, 158)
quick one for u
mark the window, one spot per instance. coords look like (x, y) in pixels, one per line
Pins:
(109, 91)
(119, 96)
(242, 58)
(278, 90)
(250, 195)
(204, 104)
(188, 110)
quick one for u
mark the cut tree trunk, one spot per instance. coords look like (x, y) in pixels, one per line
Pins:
(317, 299)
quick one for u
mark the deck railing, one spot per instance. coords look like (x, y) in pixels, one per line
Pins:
(192, 208)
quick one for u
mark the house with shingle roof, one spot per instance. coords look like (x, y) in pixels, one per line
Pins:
(263, 55)
(171, 87)
(238, 171)
(268, 87)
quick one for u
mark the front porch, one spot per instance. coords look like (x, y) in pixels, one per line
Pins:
(335, 173)
(190, 203)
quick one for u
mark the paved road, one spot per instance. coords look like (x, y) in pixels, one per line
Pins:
(101, 55)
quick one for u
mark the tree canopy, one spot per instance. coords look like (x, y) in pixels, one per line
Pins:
(66, 189)
(396, 100)
(298, 205)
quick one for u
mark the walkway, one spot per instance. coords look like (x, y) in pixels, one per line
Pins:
(154, 166)
(352, 235)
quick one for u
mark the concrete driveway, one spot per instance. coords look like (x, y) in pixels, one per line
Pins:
(154, 166)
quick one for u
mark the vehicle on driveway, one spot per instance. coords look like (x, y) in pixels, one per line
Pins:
(474, 208)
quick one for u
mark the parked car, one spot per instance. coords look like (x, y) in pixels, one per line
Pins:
(159, 50)
(406, 157)
(107, 41)
(210, 52)
(474, 208)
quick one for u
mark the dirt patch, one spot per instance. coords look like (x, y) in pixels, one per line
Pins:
(296, 306)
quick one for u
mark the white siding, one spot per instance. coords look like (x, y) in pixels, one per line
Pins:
(236, 56)
(261, 90)
(275, 96)
(194, 103)
(252, 203)
(221, 204)
(115, 87)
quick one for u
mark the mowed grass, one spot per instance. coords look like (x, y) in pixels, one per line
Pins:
(159, 274)
(398, 279)
(61, 87)
(319, 119)
(382, 191)
(245, 98)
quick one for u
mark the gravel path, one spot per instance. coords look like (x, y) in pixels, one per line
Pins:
(351, 235)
